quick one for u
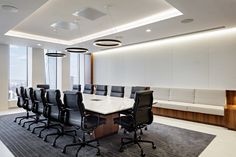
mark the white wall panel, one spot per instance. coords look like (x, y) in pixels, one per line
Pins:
(190, 64)
(223, 62)
(193, 62)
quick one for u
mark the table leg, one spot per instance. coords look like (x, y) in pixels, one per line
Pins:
(109, 128)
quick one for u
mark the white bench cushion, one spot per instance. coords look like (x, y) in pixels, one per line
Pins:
(182, 95)
(172, 105)
(127, 91)
(161, 93)
(210, 97)
(207, 109)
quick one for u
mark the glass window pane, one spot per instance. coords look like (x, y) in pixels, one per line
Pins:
(51, 69)
(17, 69)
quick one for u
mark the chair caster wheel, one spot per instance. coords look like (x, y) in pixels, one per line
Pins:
(121, 150)
(98, 153)
(28, 129)
(154, 147)
(45, 139)
(53, 144)
(145, 128)
(63, 151)
(143, 155)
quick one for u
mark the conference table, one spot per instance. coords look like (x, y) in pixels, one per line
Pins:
(109, 108)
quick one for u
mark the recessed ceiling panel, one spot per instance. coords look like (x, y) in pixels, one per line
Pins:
(89, 13)
(104, 16)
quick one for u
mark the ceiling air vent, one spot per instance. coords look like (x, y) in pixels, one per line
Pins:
(89, 13)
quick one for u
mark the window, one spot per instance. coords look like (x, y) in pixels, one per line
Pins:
(74, 68)
(17, 69)
(51, 69)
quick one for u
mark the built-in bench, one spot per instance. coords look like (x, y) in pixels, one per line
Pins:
(200, 105)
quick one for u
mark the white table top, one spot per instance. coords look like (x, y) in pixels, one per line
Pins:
(106, 104)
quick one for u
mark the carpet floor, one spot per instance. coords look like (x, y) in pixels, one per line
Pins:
(170, 142)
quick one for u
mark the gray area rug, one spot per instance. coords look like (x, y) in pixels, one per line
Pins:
(170, 142)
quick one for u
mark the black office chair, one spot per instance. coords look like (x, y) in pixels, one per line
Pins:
(137, 88)
(38, 107)
(29, 104)
(101, 90)
(76, 87)
(39, 96)
(21, 103)
(142, 115)
(78, 117)
(88, 89)
(117, 91)
(57, 112)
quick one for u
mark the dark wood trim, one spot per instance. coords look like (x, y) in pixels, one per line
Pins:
(230, 97)
(190, 116)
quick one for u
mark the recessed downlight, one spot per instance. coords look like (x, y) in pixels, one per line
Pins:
(148, 30)
(187, 21)
(39, 45)
(9, 8)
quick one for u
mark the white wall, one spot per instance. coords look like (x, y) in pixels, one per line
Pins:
(4, 74)
(206, 60)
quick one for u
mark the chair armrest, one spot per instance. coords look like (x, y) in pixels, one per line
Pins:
(49, 104)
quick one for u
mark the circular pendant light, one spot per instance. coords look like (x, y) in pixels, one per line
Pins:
(76, 50)
(49, 54)
(107, 43)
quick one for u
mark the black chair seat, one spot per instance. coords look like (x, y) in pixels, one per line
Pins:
(92, 122)
(126, 122)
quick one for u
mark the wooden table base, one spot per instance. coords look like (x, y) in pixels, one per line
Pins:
(109, 128)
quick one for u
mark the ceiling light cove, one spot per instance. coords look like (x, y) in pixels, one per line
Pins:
(37, 37)
(170, 13)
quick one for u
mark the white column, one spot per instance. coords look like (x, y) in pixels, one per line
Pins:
(63, 73)
(36, 67)
(4, 75)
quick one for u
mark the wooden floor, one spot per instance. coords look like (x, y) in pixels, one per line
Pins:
(191, 116)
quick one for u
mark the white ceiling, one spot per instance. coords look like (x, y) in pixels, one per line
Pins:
(37, 16)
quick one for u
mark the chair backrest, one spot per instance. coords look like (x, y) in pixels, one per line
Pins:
(20, 96)
(43, 86)
(54, 102)
(29, 98)
(74, 101)
(142, 108)
(76, 87)
(101, 90)
(40, 101)
(88, 89)
(117, 91)
(137, 88)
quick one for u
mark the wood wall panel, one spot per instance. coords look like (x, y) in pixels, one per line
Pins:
(191, 116)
